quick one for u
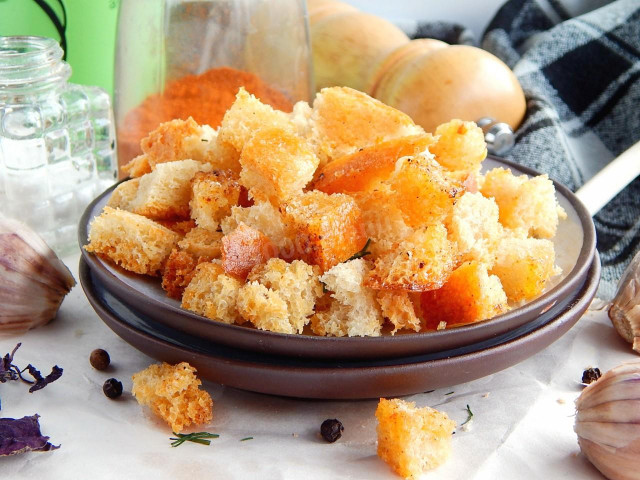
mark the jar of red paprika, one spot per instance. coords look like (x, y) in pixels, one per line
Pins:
(181, 58)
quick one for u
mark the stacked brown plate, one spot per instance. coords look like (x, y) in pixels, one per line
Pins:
(136, 308)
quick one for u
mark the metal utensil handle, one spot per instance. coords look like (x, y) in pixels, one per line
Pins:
(611, 180)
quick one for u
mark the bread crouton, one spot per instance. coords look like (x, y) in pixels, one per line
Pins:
(182, 140)
(368, 166)
(132, 241)
(297, 284)
(383, 220)
(243, 249)
(173, 393)
(354, 310)
(524, 265)
(261, 216)
(469, 295)
(264, 308)
(178, 225)
(475, 228)
(213, 294)
(327, 229)
(137, 166)
(123, 194)
(177, 272)
(245, 116)
(412, 440)
(201, 242)
(276, 165)
(398, 308)
(422, 190)
(460, 146)
(421, 262)
(524, 202)
(213, 195)
(345, 120)
(165, 192)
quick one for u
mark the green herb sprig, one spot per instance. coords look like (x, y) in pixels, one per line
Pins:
(362, 252)
(246, 438)
(196, 437)
(469, 416)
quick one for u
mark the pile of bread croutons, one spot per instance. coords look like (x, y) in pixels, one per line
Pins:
(343, 218)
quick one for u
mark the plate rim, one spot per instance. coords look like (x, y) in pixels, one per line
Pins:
(329, 382)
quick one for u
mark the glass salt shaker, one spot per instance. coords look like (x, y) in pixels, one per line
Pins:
(57, 140)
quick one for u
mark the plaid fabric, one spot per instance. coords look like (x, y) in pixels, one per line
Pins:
(578, 62)
(580, 71)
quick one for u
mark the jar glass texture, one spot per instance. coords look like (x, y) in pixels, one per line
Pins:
(181, 58)
(57, 140)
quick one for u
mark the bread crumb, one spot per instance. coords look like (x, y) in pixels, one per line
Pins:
(172, 392)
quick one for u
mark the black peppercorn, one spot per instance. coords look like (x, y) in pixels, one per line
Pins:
(331, 430)
(591, 375)
(112, 388)
(99, 359)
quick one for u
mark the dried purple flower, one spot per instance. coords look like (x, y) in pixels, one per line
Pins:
(22, 435)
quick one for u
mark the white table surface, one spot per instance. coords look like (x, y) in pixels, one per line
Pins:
(522, 426)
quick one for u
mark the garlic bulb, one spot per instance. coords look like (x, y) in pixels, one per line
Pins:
(33, 280)
(624, 311)
(608, 422)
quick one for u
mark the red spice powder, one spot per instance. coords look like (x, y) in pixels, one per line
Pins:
(205, 97)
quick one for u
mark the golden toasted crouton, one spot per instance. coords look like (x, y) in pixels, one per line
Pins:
(263, 217)
(327, 229)
(132, 241)
(181, 227)
(460, 146)
(245, 116)
(524, 202)
(243, 249)
(354, 310)
(137, 166)
(368, 166)
(213, 195)
(264, 308)
(213, 294)
(172, 392)
(475, 228)
(383, 220)
(398, 308)
(300, 117)
(421, 262)
(177, 272)
(296, 283)
(201, 242)
(422, 190)
(123, 194)
(345, 120)
(524, 265)
(412, 440)
(165, 192)
(469, 295)
(166, 143)
(276, 165)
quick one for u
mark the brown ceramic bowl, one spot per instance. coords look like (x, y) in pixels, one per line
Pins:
(575, 248)
(335, 379)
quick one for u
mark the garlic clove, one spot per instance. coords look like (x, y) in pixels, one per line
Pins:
(33, 280)
(624, 411)
(608, 422)
(621, 464)
(624, 311)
